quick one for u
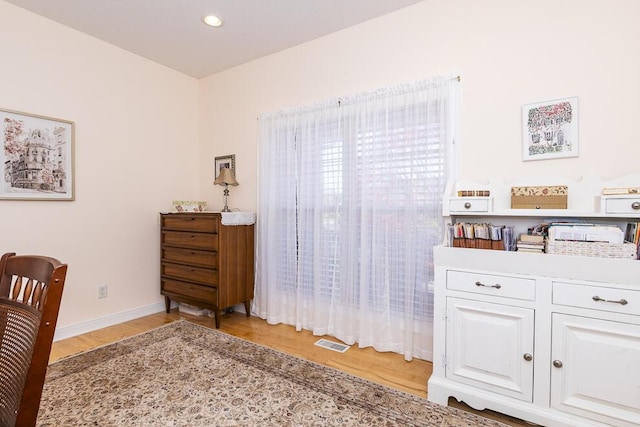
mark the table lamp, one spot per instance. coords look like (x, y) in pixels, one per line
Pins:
(226, 178)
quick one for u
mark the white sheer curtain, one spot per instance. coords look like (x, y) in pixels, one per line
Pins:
(349, 210)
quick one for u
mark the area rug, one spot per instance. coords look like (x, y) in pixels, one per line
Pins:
(183, 374)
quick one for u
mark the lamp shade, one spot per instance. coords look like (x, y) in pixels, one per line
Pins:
(226, 177)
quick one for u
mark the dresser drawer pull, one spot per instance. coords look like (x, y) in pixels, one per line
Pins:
(497, 285)
(621, 301)
(467, 205)
(635, 205)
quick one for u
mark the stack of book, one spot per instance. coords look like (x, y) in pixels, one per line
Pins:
(530, 243)
(632, 235)
(619, 191)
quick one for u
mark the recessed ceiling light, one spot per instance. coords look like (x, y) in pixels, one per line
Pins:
(212, 20)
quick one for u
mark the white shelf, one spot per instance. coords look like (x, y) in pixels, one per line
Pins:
(584, 198)
(544, 213)
(586, 205)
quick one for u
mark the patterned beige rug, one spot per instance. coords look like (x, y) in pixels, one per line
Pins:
(183, 374)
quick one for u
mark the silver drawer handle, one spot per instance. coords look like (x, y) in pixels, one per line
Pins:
(497, 285)
(621, 301)
(635, 205)
(467, 205)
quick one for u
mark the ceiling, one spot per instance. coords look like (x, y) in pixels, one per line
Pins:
(171, 32)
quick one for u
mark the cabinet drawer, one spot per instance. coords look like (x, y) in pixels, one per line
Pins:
(622, 205)
(469, 204)
(190, 256)
(490, 284)
(597, 297)
(189, 290)
(191, 222)
(190, 240)
(205, 276)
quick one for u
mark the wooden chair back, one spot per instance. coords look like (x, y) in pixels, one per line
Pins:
(36, 281)
(19, 324)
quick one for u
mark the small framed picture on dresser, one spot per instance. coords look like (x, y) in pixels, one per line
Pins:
(221, 162)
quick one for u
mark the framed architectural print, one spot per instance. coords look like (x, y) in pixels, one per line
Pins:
(550, 129)
(222, 162)
(37, 155)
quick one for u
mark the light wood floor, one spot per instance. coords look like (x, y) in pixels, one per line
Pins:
(387, 368)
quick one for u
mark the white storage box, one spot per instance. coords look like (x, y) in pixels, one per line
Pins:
(191, 309)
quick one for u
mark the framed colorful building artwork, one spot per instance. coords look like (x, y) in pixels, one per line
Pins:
(550, 129)
(37, 157)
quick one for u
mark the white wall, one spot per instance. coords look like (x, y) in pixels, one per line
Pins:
(136, 128)
(507, 52)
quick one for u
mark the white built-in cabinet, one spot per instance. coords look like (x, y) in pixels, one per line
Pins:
(551, 339)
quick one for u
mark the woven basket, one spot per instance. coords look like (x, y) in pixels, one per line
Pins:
(595, 249)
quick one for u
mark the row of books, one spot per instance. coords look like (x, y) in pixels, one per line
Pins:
(481, 236)
(632, 233)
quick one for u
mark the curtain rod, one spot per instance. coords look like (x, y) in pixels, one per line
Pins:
(339, 103)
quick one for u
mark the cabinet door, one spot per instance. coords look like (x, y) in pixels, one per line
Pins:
(490, 346)
(596, 369)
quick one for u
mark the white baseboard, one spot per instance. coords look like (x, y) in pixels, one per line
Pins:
(112, 319)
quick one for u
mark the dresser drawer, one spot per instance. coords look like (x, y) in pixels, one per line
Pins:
(190, 240)
(189, 290)
(205, 276)
(490, 284)
(191, 222)
(190, 256)
(617, 300)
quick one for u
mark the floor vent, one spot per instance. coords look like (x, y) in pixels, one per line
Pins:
(341, 348)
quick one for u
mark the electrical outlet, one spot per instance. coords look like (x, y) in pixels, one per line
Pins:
(102, 291)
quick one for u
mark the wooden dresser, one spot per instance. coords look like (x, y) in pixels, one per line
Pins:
(205, 263)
